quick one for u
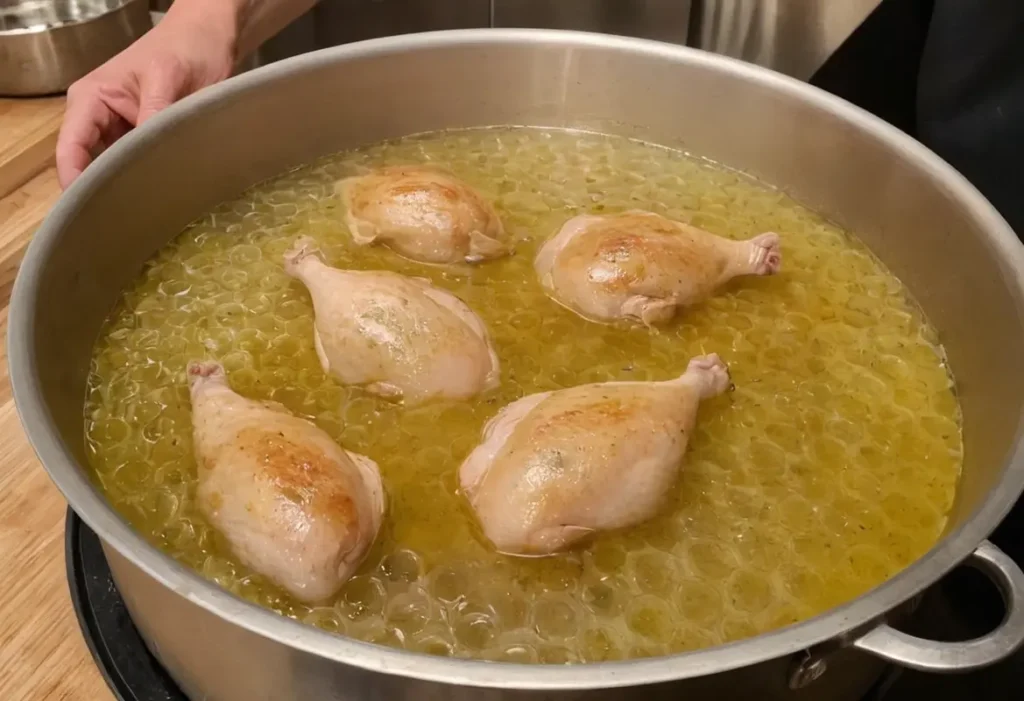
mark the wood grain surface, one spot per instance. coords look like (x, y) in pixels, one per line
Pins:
(42, 653)
(28, 135)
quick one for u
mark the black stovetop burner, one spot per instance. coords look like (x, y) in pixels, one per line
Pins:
(133, 674)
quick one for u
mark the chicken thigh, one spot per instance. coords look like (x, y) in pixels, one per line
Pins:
(399, 337)
(424, 213)
(555, 467)
(644, 266)
(294, 505)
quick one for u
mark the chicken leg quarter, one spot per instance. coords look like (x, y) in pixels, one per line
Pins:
(424, 213)
(641, 265)
(397, 336)
(294, 505)
(555, 467)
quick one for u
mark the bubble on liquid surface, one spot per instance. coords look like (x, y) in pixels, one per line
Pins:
(829, 469)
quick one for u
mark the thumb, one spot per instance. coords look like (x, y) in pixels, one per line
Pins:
(161, 86)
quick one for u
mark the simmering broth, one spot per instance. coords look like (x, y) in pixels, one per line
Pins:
(828, 469)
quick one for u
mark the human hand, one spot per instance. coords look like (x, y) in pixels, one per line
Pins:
(186, 51)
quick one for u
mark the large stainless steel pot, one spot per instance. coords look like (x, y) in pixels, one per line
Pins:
(934, 230)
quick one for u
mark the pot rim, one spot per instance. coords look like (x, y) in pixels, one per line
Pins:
(857, 615)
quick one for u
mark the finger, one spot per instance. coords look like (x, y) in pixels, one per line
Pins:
(118, 128)
(161, 87)
(85, 120)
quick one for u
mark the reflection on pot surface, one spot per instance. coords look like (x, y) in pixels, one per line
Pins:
(832, 436)
(830, 468)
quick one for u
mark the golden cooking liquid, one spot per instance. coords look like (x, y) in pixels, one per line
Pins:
(828, 469)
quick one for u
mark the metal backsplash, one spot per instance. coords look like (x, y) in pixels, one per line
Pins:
(339, 21)
(790, 36)
(665, 20)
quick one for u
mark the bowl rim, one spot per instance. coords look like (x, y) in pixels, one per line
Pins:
(105, 8)
(858, 614)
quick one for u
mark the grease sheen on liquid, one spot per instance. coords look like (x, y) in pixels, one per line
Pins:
(830, 467)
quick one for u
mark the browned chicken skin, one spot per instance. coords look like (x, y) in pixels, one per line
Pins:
(294, 505)
(555, 467)
(399, 337)
(424, 213)
(644, 266)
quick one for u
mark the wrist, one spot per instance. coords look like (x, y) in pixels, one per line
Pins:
(220, 21)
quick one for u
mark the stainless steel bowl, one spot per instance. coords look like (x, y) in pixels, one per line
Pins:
(934, 230)
(46, 45)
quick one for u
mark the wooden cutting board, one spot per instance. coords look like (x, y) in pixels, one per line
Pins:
(28, 135)
(42, 653)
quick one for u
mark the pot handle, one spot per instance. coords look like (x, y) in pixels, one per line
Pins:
(899, 648)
